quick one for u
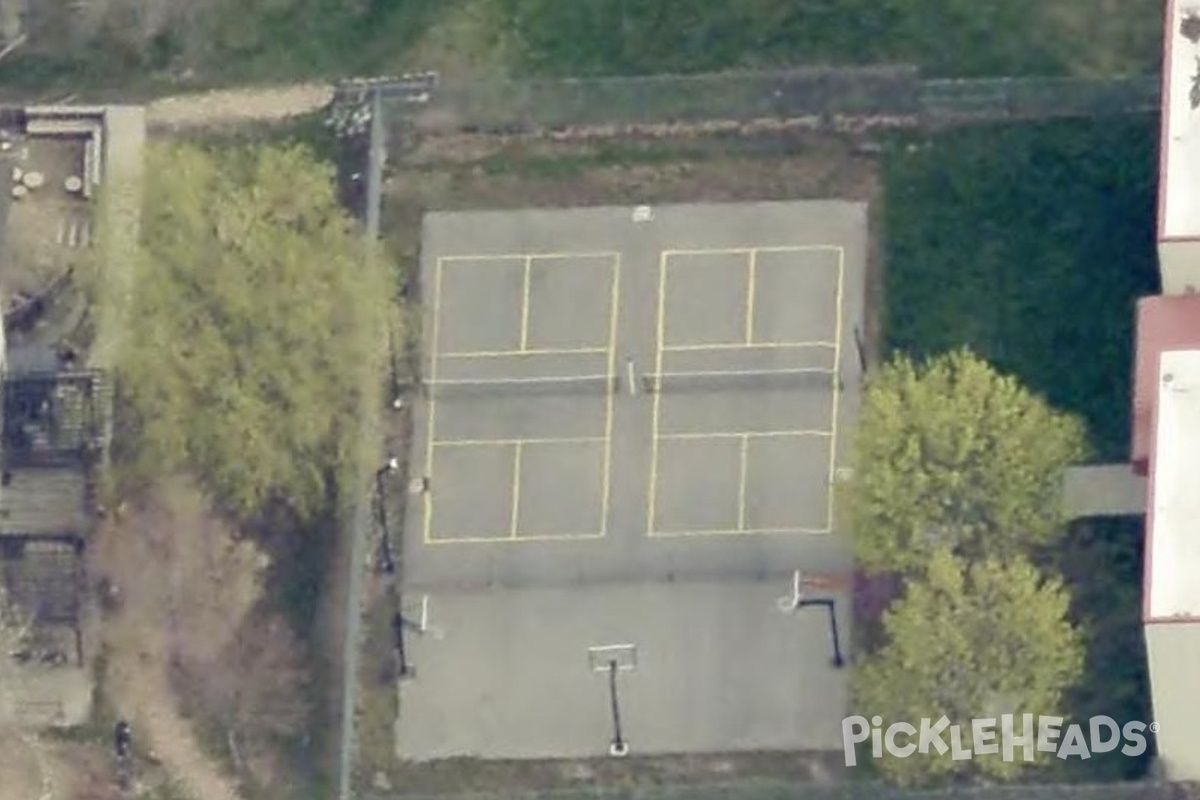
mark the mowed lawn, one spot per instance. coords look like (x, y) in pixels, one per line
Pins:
(1031, 244)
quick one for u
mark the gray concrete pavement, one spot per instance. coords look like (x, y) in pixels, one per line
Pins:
(739, 477)
(505, 674)
(673, 519)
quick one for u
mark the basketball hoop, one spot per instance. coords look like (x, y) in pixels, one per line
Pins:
(803, 586)
(788, 603)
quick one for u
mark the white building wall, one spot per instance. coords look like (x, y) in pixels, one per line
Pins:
(1173, 650)
(1179, 266)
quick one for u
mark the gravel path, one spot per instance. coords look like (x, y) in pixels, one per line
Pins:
(236, 106)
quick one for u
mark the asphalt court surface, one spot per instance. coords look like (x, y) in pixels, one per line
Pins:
(728, 331)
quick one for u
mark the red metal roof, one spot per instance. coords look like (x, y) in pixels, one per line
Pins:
(1163, 323)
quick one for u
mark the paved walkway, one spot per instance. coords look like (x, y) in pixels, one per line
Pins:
(1104, 490)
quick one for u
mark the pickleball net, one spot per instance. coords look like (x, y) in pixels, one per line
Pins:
(522, 387)
(739, 381)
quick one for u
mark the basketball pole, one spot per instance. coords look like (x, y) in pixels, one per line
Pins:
(618, 747)
(828, 603)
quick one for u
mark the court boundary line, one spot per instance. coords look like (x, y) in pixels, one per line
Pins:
(744, 436)
(656, 403)
(613, 257)
(715, 533)
(782, 248)
(835, 409)
(613, 260)
(511, 442)
(751, 254)
(683, 348)
(431, 414)
(531, 351)
(743, 470)
(547, 537)
(783, 434)
(610, 401)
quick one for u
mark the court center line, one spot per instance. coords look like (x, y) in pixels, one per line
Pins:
(656, 403)
(525, 304)
(745, 455)
(606, 467)
(430, 427)
(837, 362)
(516, 491)
(751, 280)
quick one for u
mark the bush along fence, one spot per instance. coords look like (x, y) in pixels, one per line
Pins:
(816, 98)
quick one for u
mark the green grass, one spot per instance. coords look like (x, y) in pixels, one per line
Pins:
(236, 42)
(944, 37)
(1030, 244)
(233, 41)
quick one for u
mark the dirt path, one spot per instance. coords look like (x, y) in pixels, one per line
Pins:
(169, 565)
(236, 106)
(144, 695)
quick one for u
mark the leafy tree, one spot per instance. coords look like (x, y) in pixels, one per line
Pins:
(970, 642)
(257, 327)
(951, 453)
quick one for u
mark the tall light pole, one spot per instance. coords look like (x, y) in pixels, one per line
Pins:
(371, 98)
(347, 112)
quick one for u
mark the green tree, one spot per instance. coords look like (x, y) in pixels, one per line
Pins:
(970, 642)
(256, 327)
(951, 453)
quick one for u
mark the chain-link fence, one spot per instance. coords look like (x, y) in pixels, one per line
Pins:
(886, 95)
(1038, 98)
(770, 790)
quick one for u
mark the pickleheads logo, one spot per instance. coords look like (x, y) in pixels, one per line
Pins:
(902, 739)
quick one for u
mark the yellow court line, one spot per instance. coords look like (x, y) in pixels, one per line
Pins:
(430, 421)
(752, 269)
(614, 313)
(511, 442)
(525, 304)
(804, 248)
(520, 256)
(837, 361)
(516, 492)
(549, 537)
(673, 348)
(743, 434)
(652, 490)
(745, 457)
(715, 532)
(532, 351)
